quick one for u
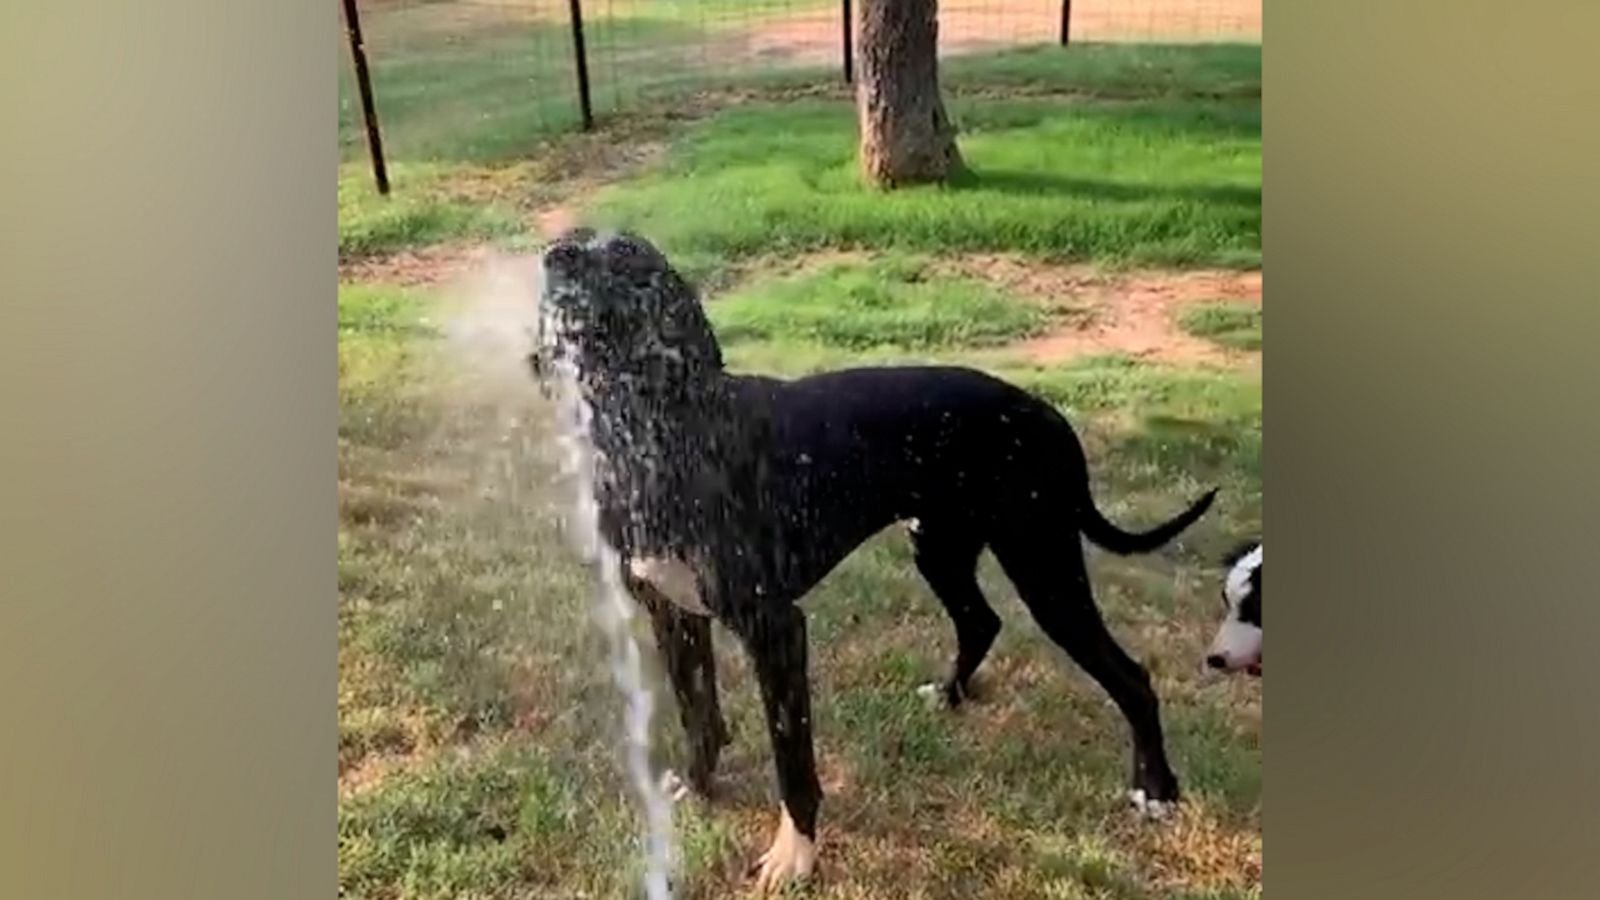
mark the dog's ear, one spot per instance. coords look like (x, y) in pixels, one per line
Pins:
(1239, 552)
(691, 328)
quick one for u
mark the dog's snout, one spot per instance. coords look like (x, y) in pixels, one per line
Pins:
(579, 235)
(1216, 661)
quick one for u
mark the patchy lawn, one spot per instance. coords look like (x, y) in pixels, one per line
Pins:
(1147, 182)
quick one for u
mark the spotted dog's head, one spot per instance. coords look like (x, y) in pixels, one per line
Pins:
(1237, 644)
(618, 310)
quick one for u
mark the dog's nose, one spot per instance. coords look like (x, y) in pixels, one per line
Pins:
(576, 235)
(1216, 661)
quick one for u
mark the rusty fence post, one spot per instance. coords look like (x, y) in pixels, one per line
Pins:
(580, 59)
(369, 112)
(849, 45)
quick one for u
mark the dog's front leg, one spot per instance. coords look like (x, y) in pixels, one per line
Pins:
(776, 641)
(684, 641)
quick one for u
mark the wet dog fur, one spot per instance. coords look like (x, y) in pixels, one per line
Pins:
(730, 496)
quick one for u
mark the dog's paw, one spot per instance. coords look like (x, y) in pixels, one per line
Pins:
(939, 695)
(791, 858)
(1149, 808)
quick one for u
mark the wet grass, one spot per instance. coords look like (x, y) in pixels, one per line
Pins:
(477, 725)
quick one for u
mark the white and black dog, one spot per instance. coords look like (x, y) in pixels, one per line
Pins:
(1237, 644)
(730, 497)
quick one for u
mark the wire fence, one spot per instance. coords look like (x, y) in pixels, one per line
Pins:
(487, 79)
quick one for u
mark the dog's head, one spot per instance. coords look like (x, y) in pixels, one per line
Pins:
(617, 309)
(1237, 644)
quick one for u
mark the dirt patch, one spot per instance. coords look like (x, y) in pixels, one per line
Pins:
(553, 220)
(1133, 313)
(426, 267)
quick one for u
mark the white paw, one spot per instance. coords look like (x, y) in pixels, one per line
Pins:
(673, 787)
(1149, 807)
(791, 857)
(932, 694)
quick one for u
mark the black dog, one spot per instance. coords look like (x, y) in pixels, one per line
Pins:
(731, 496)
(1237, 644)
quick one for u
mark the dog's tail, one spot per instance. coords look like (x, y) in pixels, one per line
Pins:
(1098, 529)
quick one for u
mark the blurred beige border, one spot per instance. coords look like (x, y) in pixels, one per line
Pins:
(167, 509)
(167, 626)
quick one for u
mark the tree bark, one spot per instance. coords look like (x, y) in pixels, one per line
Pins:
(906, 137)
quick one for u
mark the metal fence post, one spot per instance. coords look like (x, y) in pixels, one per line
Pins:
(369, 113)
(580, 57)
(849, 45)
(1066, 20)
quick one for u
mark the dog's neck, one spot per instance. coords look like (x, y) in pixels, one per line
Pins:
(647, 415)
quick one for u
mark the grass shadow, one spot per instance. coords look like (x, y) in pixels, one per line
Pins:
(1034, 184)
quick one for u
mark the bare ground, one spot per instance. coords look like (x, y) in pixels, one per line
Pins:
(1134, 313)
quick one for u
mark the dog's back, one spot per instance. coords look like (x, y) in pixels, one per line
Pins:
(906, 442)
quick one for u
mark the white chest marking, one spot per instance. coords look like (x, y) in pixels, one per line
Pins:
(674, 579)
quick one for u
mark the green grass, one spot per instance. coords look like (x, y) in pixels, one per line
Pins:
(887, 303)
(1112, 71)
(465, 83)
(463, 630)
(480, 82)
(1154, 158)
(1159, 182)
(482, 90)
(1236, 325)
(419, 211)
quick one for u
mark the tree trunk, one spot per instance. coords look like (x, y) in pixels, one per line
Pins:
(906, 138)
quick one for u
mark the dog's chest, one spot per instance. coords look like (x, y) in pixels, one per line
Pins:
(674, 579)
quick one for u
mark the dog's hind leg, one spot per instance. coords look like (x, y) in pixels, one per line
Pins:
(775, 638)
(1054, 584)
(684, 640)
(948, 561)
